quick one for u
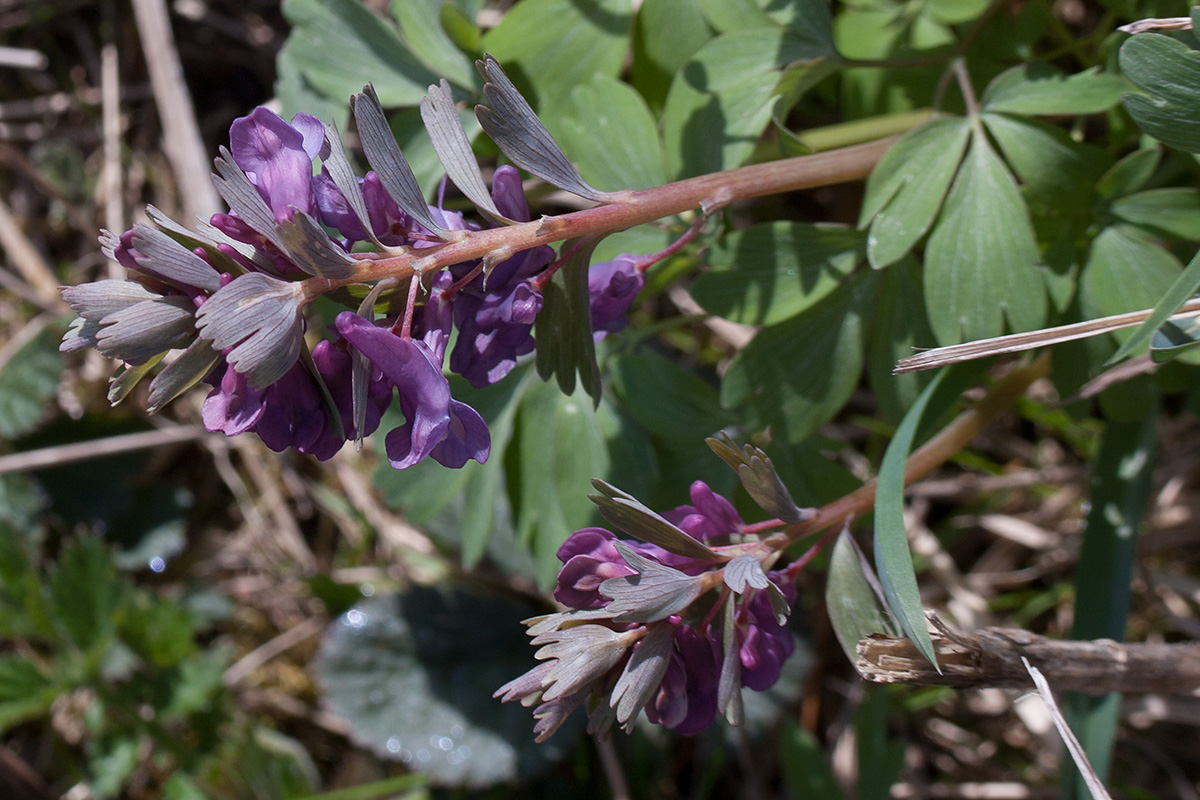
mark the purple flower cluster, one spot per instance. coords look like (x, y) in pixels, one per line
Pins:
(245, 264)
(602, 581)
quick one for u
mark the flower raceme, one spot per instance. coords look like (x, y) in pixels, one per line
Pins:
(676, 627)
(231, 296)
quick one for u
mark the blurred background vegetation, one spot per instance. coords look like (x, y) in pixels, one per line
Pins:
(186, 616)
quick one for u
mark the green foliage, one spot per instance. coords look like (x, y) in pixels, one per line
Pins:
(405, 672)
(1168, 73)
(854, 598)
(28, 378)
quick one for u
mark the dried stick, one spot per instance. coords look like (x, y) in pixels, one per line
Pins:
(991, 657)
(181, 134)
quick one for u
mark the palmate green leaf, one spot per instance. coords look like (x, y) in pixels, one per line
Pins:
(906, 188)
(25, 693)
(981, 259)
(1173, 211)
(666, 33)
(1126, 272)
(1057, 173)
(1168, 74)
(612, 137)
(549, 47)
(806, 17)
(854, 598)
(796, 375)
(562, 444)
(28, 380)
(1039, 88)
(767, 273)
(338, 45)
(406, 673)
(720, 101)
(893, 560)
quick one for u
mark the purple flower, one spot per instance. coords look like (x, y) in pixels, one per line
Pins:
(687, 698)
(589, 558)
(709, 517)
(764, 644)
(277, 157)
(612, 287)
(435, 424)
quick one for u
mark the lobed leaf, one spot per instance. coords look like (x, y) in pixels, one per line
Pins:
(309, 247)
(146, 329)
(257, 320)
(759, 478)
(1039, 88)
(183, 373)
(906, 188)
(511, 123)
(337, 164)
(564, 325)
(655, 592)
(1125, 271)
(629, 515)
(385, 157)
(981, 261)
(643, 673)
(450, 142)
(162, 256)
(796, 375)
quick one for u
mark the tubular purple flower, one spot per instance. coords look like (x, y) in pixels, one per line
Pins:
(710, 516)
(764, 644)
(612, 288)
(589, 558)
(277, 157)
(435, 424)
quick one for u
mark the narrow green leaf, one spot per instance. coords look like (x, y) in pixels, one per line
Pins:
(798, 374)
(1130, 173)
(768, 273)
(893, 560)
(612, 136)
(1174, 339)
(1185, 286)
(806, 770)
(908, 185)
(1038, 88)
(1122, 483)
(1168, 73)
(854, 598)
(981, 259)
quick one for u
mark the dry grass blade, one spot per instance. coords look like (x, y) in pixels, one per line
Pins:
(1094, 784)
(1015, 343)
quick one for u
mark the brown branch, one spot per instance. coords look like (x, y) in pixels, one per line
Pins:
(991, 657)
(630, 208)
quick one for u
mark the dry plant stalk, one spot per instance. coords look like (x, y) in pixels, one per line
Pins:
(991, 657)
